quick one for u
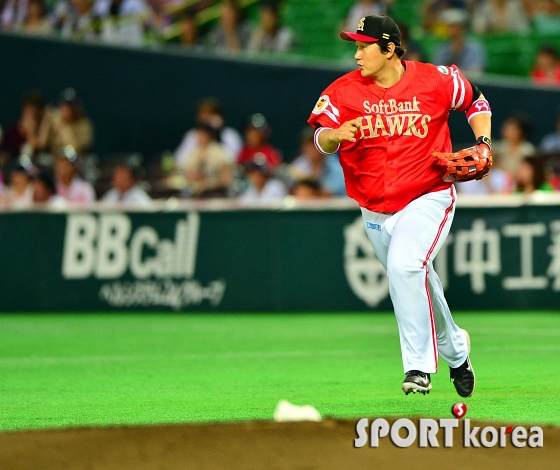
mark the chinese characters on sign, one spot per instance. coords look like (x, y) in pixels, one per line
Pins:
(478, 252)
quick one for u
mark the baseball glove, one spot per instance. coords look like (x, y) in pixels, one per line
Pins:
(472, 163)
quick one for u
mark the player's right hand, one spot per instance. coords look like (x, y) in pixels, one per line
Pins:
(347, 131)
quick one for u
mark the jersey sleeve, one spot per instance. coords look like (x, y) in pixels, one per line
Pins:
(456, 87)
(326, 113)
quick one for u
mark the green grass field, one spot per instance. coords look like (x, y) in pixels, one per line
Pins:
(65, 370)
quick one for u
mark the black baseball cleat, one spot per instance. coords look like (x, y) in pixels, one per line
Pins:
(463, 378)
(416, 381)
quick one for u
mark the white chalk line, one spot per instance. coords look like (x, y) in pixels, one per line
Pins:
(38, 360)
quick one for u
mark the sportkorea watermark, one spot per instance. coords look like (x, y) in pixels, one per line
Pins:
(432, 433)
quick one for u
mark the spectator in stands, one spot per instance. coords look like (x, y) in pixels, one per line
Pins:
(263, 187)
(118, 8)
(208, 170)
(433, 14)
(44, 190)
(188, 35)
(308, 189)
(312, 164)
(125, 187)
(24, 137)
(18, 194)
(531, 7)
(550, 145)
(209, 110)
(231, 34)
(547, 67)
(498, 181)
(468, 54)
(530, 176)
(123, 20)
(257, 133)
(159, 17)
(36, 21)
(500, 16)
(546, 17)
(513, 146)
(78, 21)
(12, 13)
(270, 35)
(413, 48)
(66, 126)
(362, 8)
(69, 185)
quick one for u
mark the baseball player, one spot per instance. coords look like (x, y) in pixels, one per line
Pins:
(388, 119)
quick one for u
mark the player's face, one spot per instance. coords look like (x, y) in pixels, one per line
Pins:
(370, 59)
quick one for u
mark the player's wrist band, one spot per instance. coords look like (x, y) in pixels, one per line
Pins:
(480, 106)
(484, 140)
(316, 140)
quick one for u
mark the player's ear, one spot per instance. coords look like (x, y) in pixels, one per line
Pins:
(391, 47)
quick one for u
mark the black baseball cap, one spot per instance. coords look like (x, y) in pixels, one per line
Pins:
(380, 29)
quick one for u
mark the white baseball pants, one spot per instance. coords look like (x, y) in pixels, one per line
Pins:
(406, 244)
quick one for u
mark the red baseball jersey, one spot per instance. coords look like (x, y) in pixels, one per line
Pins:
(390, 164)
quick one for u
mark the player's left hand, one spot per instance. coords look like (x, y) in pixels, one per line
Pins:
(467, 164)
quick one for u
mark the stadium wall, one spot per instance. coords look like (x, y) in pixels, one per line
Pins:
(143, 100)
(217, 257)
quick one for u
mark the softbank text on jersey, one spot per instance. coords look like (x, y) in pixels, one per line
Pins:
(430, 432)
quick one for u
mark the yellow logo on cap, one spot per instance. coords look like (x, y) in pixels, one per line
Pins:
(361, 24)
(385, 36)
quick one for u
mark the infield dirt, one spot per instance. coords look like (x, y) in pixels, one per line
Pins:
(252, 446)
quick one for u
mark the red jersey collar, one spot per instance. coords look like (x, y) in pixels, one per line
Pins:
(409, 67)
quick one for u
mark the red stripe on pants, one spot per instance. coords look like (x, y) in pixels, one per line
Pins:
(432, 320)
(430, 251)
(440, 229)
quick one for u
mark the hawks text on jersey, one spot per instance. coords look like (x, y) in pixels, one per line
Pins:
(390, 164)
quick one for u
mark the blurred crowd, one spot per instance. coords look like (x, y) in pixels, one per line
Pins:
(138, 22)
(46, 159)
(46, 154)
(223, 26)
(456, 20)
(494, 16)
(520, 166)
